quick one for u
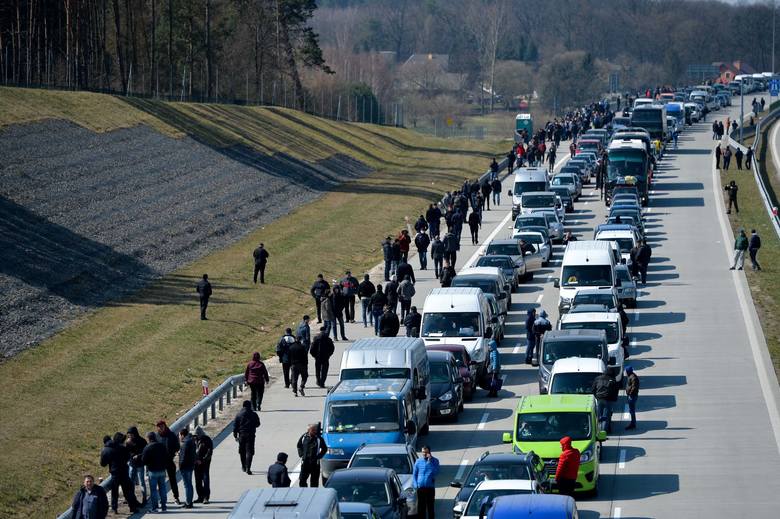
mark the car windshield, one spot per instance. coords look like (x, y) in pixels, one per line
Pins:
(610, 328)
(556, 350)
(548, 427)
(531, 237)
(586, 275)
(440, 372)
(488, 286)
(538, 201)
(400, 463)
(624, 164)
(529, 220)
(362, 416)
(485, 471)
(375, 493)
(562, 180)
(624, 244)
(354, 515)
(572, 383)
(623, 274)
(487, 496)
(561, 191)
(366, 373)
(451, 324)
(495, 261)
(604, 298)
(504, 249)
(527, 187)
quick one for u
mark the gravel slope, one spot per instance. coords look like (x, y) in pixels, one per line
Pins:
(87, 217)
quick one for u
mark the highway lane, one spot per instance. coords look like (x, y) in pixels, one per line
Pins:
(704, 444)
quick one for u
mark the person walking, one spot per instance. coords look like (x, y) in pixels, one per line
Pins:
(530, 336)
(244, 430)
(605, 389)
(299, 362)
(451, 246)
(643, 255)
(90, 501)
(203, 288)
(319, 289)
(541, 326)
(283, 352)
(311, 449)
(632, 393)
(366, 289)
(349, 288)
(136, 444)
(753, 245)
(412, 322)
(378, 303)
(738, 155)
(387, 254)
(495, 185)
(328, 313)
(494, 365)
(749, 157)
(421, 242)
(256, 376)
(261, 260)
(322, 350)
(421, 225)
(405, 270)
(155, 459)
(187, 456)
(447, 275)
(388, 323)
(406, 292)
(433, 218)
(391, 292)
(568, 468)
(493, 168)
(339, 309)
(115, 456)
(171, 442)
(732, 189)
(424, 475)
(485, 192)
(740, 246)
(727, 157)
(204, 450)
(510, 160)
(718, 153)
(474, 227)
(277, 474)
(437, 254)
(404, 240)
(304, 332)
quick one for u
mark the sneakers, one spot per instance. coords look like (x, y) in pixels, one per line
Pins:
(303, 393)
(731, 268)
(205, 501)
(248, 472)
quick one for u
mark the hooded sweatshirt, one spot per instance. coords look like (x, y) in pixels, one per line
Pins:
(529, 321)
(135, 446)
(256, 372)
(569, 461)
(495, 362)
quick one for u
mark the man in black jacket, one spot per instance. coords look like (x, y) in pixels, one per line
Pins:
(204, 450)
(135, 445)
(203, 288)
(322, 348)
(388, 324)
(447, 274)
(171, 442)
(605, 389)
(299, 361)
(366, 289)
(90, 502)
(433, 217)
(643, 260)
(387, 253)
(277, 473)
(753, 245)
(311, 449)
(422, 241)
(451, 246)
(437, 254)
(261, 259)
(412, 323)
(187, 457)
(244, 429)
(319, 289)
(405, 269)
(155, 458)
(115, 456)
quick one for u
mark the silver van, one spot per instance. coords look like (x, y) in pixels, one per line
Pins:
(526, 181)
(287, 503)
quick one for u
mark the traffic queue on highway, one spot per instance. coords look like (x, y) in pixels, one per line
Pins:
(391, 388)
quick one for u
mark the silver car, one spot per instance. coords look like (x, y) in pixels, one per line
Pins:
(554, 224)
(541, 244)
(627, 290)
(397, 456)
(571, 181)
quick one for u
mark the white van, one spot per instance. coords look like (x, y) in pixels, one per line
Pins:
(586, 264)
(642, 101)
(459, 316)
(287, 503)
(574, 376)
(625, 240)
(528, 180)
(610, 323)
(387, 357)
(531, 201)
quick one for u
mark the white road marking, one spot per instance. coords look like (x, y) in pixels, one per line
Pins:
(564, 159)
(461, 469)
(622, 462)
(539, 299)
(586, 202)
(483, 421)
(492, 235)
(649, 210)
(636, 315)
(516, 349)
(618, 513)
(626, 413)
(633, 341)
(295, 474)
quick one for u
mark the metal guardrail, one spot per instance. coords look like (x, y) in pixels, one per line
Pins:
(204, 410)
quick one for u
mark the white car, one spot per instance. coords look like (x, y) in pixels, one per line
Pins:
(574, 376)
(625, 240)
(571, 181)
(610, 323)
(540, 243)
(554, 223)
(397, 456)
(486, 491)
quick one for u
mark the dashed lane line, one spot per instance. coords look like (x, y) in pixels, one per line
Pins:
(461, 469)
(539, 299)
(622, 461)
(482, 422)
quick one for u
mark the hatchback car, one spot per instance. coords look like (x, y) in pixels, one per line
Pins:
(566, 198)
(570, 181)
(512, 271)
(379, 487)
(397, 456)
(467, 367)
(446, 386)
(486, 491)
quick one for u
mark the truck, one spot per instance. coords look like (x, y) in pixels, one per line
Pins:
(628, 162)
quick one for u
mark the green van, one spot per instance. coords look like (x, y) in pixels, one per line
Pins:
(542, 420)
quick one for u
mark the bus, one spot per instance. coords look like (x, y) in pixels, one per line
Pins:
(523, 122)
(653, 119)
(628, 163)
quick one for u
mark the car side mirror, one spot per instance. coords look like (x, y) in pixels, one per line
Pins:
(488, 332)
(456, 484)
(501, 296)
(509, 193)
(557, 283)
(625, 341)
(601, 436)
(506, 437)
(612, 361)
(411, 428)
(494, 319)
(421, 394)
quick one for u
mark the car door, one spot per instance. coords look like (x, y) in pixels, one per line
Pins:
(396, 492)
(457, 381)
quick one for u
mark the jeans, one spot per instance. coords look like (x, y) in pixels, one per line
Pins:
(433, 230)
(739, 259)
(340, 321)
(388, 268)
(365, 302)
(157, 488)
(202, 481)
(329, 325)
(318, 305)
(302, 371)
(350, 309)
(529, 351)
(423, 254)
(632, 408)
(286, 373)
(393, 266)
(406, 306)
(437, 266)
(186, 479)
(246, 451)
(754, 260)
(204, 304)
(496, 198)
(137, 478)
(604, 413)
(377, 313)
(257, 395)
(321, 371)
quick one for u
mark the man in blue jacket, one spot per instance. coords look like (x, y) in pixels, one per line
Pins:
(90, 502)
(424, 480)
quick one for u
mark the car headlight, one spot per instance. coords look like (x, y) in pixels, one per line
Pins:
(587, 454)
(545, 375)
(459, 507)
(446, 397)
(335, 452)
(566, 300)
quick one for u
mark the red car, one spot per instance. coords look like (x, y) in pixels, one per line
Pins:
(468, 369)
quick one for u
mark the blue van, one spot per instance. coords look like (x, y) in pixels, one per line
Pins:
(534, 506)
(358, 411)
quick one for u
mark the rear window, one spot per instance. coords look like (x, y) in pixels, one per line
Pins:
(508, 249)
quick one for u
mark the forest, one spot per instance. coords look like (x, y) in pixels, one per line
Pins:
(366, 58)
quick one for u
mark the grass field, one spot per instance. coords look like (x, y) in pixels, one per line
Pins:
(142, 359)
(764, 285)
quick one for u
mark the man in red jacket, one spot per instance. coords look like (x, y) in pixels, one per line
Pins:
(256, 376)
(568, 467)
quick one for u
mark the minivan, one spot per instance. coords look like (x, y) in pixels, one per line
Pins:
(535, 200)
(527, 180)
(491, 280)
(575, 376)
(610, 323)
(586, 264)
(287, 503)
(379, 410)
(538, 506)
(562, 344)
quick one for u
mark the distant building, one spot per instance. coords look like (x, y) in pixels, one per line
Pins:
(440, 61)
(728, 71)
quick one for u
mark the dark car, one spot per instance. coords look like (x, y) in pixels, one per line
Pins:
(563, 192)
(378, 487)
(446, 385)
(466, 366)
(505, 262)
(526, 466)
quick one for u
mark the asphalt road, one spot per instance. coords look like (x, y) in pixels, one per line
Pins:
(706, 443)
